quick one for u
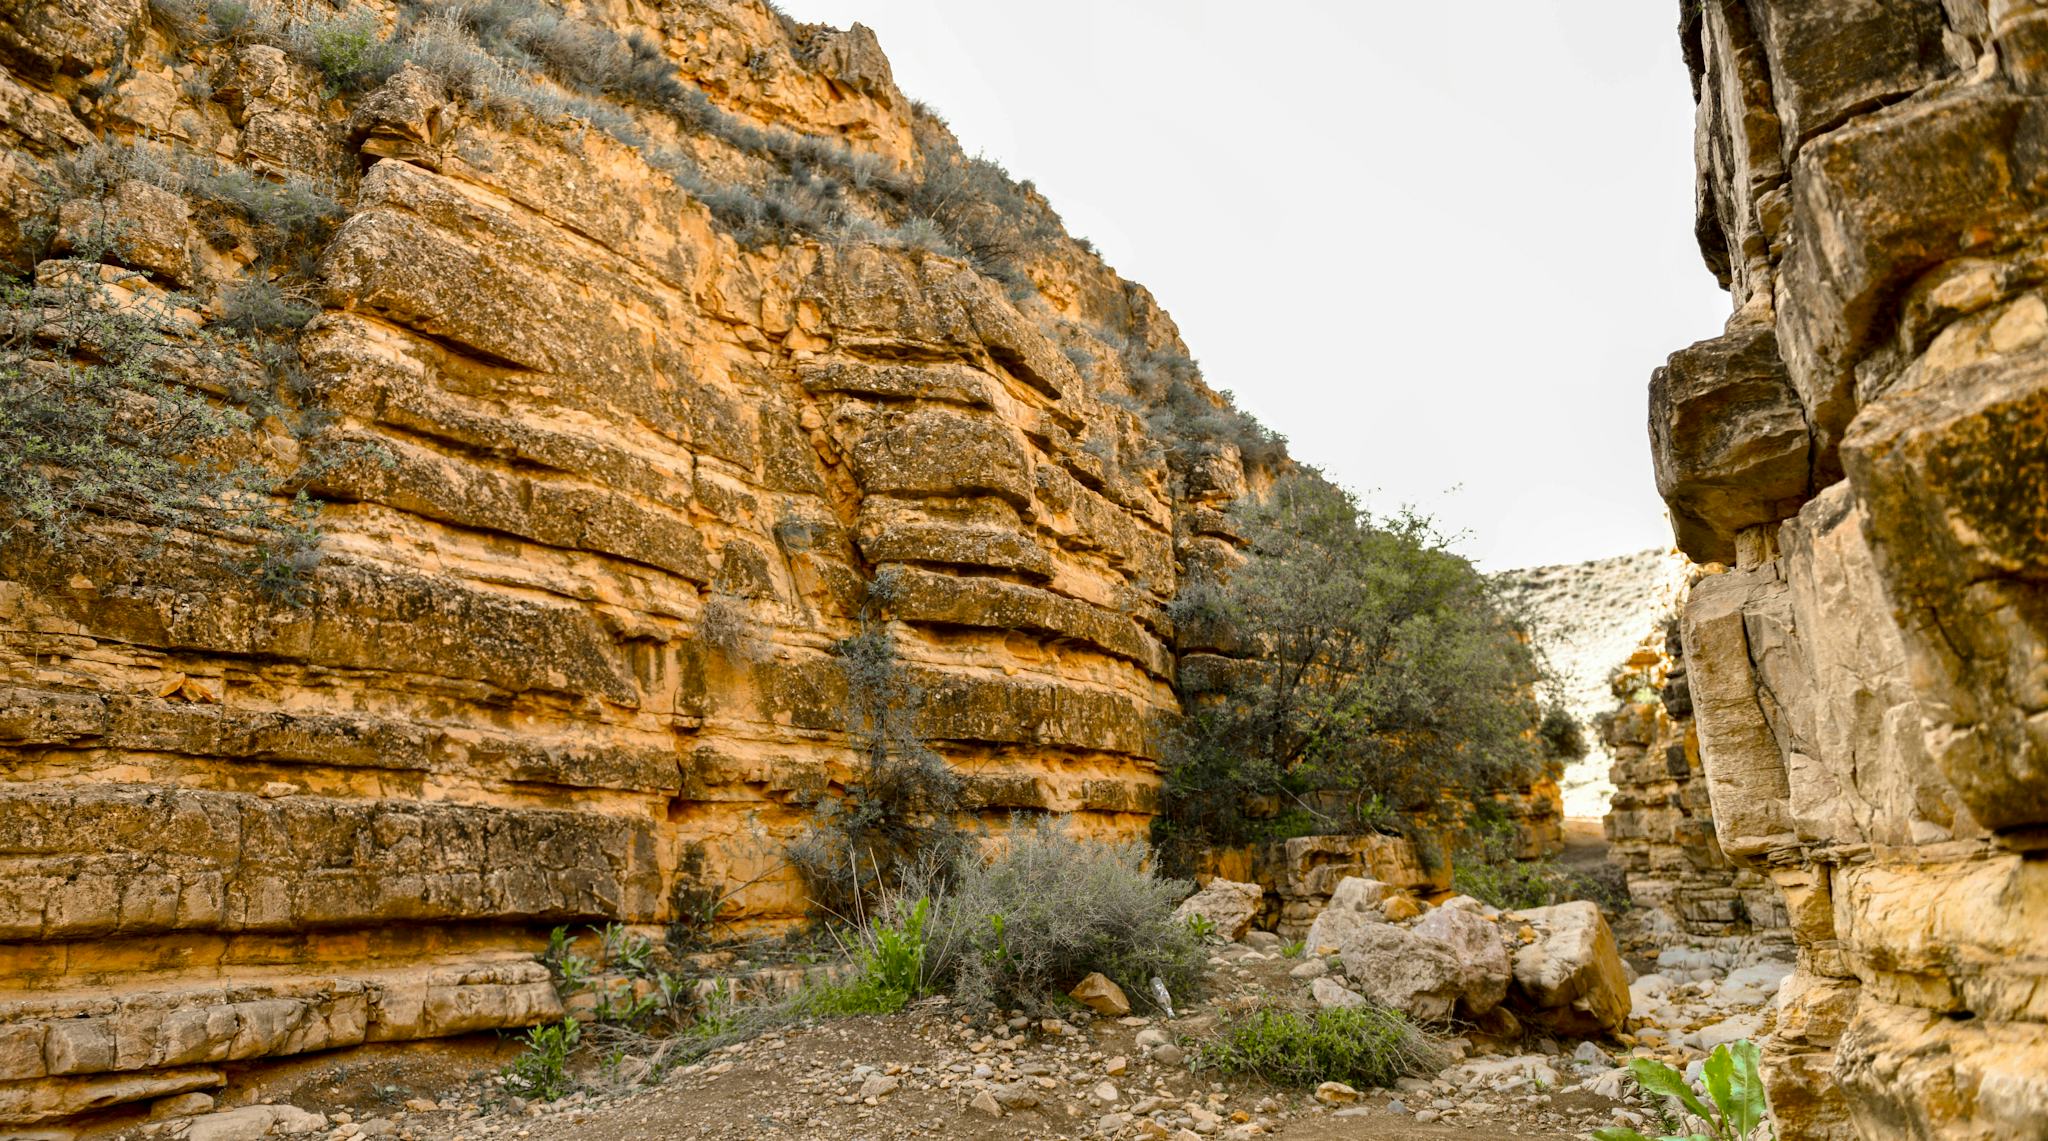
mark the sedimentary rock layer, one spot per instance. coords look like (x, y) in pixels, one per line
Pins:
(627, 475)
(1860, 460)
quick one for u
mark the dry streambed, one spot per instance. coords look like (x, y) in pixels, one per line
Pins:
(934, 1071)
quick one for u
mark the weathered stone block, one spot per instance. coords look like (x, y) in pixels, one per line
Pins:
(1954, 474)
(1729, 439)
(1744, 769)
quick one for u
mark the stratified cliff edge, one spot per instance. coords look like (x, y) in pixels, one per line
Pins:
(1866, 451)
(659, 377)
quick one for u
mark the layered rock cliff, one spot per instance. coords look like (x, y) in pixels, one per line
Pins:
(1660, 825)
(669, 371)
(1864, 459)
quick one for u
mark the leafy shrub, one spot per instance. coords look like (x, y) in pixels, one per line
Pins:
(1361, 1046)
(1192, 420)
(1022, 928)
(1564, 738)
(542, 1071)
(1733, 1110)
(1485, 867)
(988, 216)
(1383, 673)
(347, 49)
(100, 415)
(891, 952)
(264, 307)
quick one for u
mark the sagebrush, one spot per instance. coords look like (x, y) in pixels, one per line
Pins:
(1023, 927)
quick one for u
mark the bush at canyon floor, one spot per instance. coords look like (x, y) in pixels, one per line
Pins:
(1373, 672)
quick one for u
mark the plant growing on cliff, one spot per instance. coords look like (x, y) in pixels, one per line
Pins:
(1734, 1108)
(109, 410)
(1377, 670)
(899, 805)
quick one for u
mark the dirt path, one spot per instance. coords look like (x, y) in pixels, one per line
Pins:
(927, 1072)
(808, 1086)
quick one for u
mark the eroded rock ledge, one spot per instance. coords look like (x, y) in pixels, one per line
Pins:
(1863, 462)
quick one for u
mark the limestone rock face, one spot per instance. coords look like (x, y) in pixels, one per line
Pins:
(1660, 824)
(1865, 674)
(631, 467)
(1730, 439)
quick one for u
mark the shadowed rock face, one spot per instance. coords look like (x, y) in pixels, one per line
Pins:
(1865, 656)
(568, 658)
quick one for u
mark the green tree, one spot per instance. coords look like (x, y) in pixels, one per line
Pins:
(1377, 672)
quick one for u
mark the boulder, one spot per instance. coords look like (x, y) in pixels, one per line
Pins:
(1570, 979)
(1099, 994)
(1401, 908)
(1482, 959)
(1354, 903)
(1230, 906)
(1417, 976)
(253, 1121)
(1333, 995)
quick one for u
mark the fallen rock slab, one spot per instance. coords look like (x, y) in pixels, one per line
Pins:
(1570, 979)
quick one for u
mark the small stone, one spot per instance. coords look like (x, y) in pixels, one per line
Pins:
(1111, 1124)
(421, 1105)
(1336, 1093)
(1309, 969)
(879, 1086)
(1105, 1092)
(1099, 994)
(986, 1103)
(1116, 1066)
(1169, 1055)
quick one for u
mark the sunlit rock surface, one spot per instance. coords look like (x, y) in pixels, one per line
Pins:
(1865, 652)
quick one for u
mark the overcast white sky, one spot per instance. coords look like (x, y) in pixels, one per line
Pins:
(1438, 246)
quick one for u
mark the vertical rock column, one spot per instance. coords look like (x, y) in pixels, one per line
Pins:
(1861, 463)
(1660, 826)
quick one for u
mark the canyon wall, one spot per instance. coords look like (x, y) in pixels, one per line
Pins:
(638, 453)
(1660, 824)
(1861, 462)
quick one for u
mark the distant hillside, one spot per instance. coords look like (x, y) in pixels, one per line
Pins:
(1589, 616)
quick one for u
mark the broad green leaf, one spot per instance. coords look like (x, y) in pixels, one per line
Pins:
(1746, 1105)
(1659, 1078)
(1718, 1072)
